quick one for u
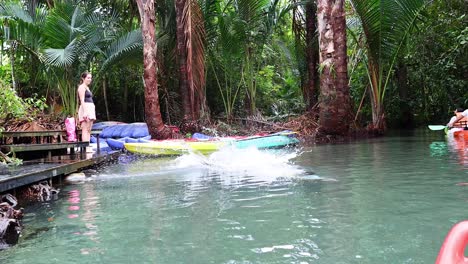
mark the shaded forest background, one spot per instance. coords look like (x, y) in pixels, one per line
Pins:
(246, 60)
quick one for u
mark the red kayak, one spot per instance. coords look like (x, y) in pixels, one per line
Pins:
(453, 249)
(460, 134)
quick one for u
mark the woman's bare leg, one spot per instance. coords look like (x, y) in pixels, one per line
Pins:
(85, 131)
(90, 127)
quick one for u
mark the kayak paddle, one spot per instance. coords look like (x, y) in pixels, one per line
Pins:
(436, 127)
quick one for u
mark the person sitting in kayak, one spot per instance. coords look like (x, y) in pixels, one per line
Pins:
(460, 119)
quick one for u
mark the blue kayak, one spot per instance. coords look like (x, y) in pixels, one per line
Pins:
(266, 142)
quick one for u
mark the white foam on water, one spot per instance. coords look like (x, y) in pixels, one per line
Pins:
(230, 165)
(257, 165)
(273, 248)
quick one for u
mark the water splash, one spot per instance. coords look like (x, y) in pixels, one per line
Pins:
(251, 163)
(230, 166)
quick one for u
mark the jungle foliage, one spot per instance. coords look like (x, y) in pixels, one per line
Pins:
(412, 70)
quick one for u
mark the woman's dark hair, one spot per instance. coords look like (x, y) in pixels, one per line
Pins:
(83, 76)
(459, 110)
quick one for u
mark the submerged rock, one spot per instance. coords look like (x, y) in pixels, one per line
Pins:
(76, 177)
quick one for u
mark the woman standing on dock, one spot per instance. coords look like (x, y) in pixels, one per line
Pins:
(86, 112)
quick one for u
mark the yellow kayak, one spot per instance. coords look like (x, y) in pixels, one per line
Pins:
(175, 147)
(179, 147)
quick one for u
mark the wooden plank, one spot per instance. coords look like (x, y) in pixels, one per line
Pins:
(43, 136)
(17, 178)
(37, 147)
(33, 133)
(43, 133)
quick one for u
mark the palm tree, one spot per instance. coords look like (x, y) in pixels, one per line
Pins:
(224, 52)
(252, 22)
(386, 25)
(335, 99)
(304, 26)
(152, 108)
(191, 57)
(61, 38)
(122, 49)
(311, 53)
(237, 34)
(69, 38)
(22, 30)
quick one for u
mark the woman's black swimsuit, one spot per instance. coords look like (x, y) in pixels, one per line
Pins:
(88, 96)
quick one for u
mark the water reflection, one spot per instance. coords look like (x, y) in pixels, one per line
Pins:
(456, 148)
(84, 207)
(459, 147)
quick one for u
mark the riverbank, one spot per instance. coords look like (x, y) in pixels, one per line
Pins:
(306, 127)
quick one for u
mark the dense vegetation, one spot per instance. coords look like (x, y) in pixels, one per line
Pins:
(248, 59)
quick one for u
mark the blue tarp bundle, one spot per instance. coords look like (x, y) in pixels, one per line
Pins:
(116, 133)
(133, 130)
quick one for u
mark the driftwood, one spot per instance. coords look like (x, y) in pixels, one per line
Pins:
(263, 122)
(10, 221)
(10, 218)
(41, 192)
(4, 158)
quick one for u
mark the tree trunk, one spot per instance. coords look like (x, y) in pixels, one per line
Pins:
(406, 116)
(12, 62)
(379, 123)
(311, 56)
(378, 118)
(335, 99)
(104, 95)
(125, 96)
(182, 59)
(153, 117)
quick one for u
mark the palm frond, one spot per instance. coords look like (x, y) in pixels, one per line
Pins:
(77, 20)
(57, 31)
(195, 43)
(251, 11)
(61, 57)
(211, 9)
(127, 46)
(386, 23)
(24, 27)
(15, 10)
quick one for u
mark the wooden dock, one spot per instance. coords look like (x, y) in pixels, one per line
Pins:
(45, 155)
(31, 171)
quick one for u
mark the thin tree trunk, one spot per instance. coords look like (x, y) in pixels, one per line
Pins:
(104, 95)
(378, 114)
(12, 62)
(50, 3)
(406, 117)
(153, 117)
(335, 100)
(311, 55)
(251, 94)
(182, 59)
(299, 32)
(125, 97)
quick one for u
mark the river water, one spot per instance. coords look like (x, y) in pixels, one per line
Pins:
(385, 200)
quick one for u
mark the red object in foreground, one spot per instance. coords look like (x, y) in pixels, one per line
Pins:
(462, 134)
(453, 249)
